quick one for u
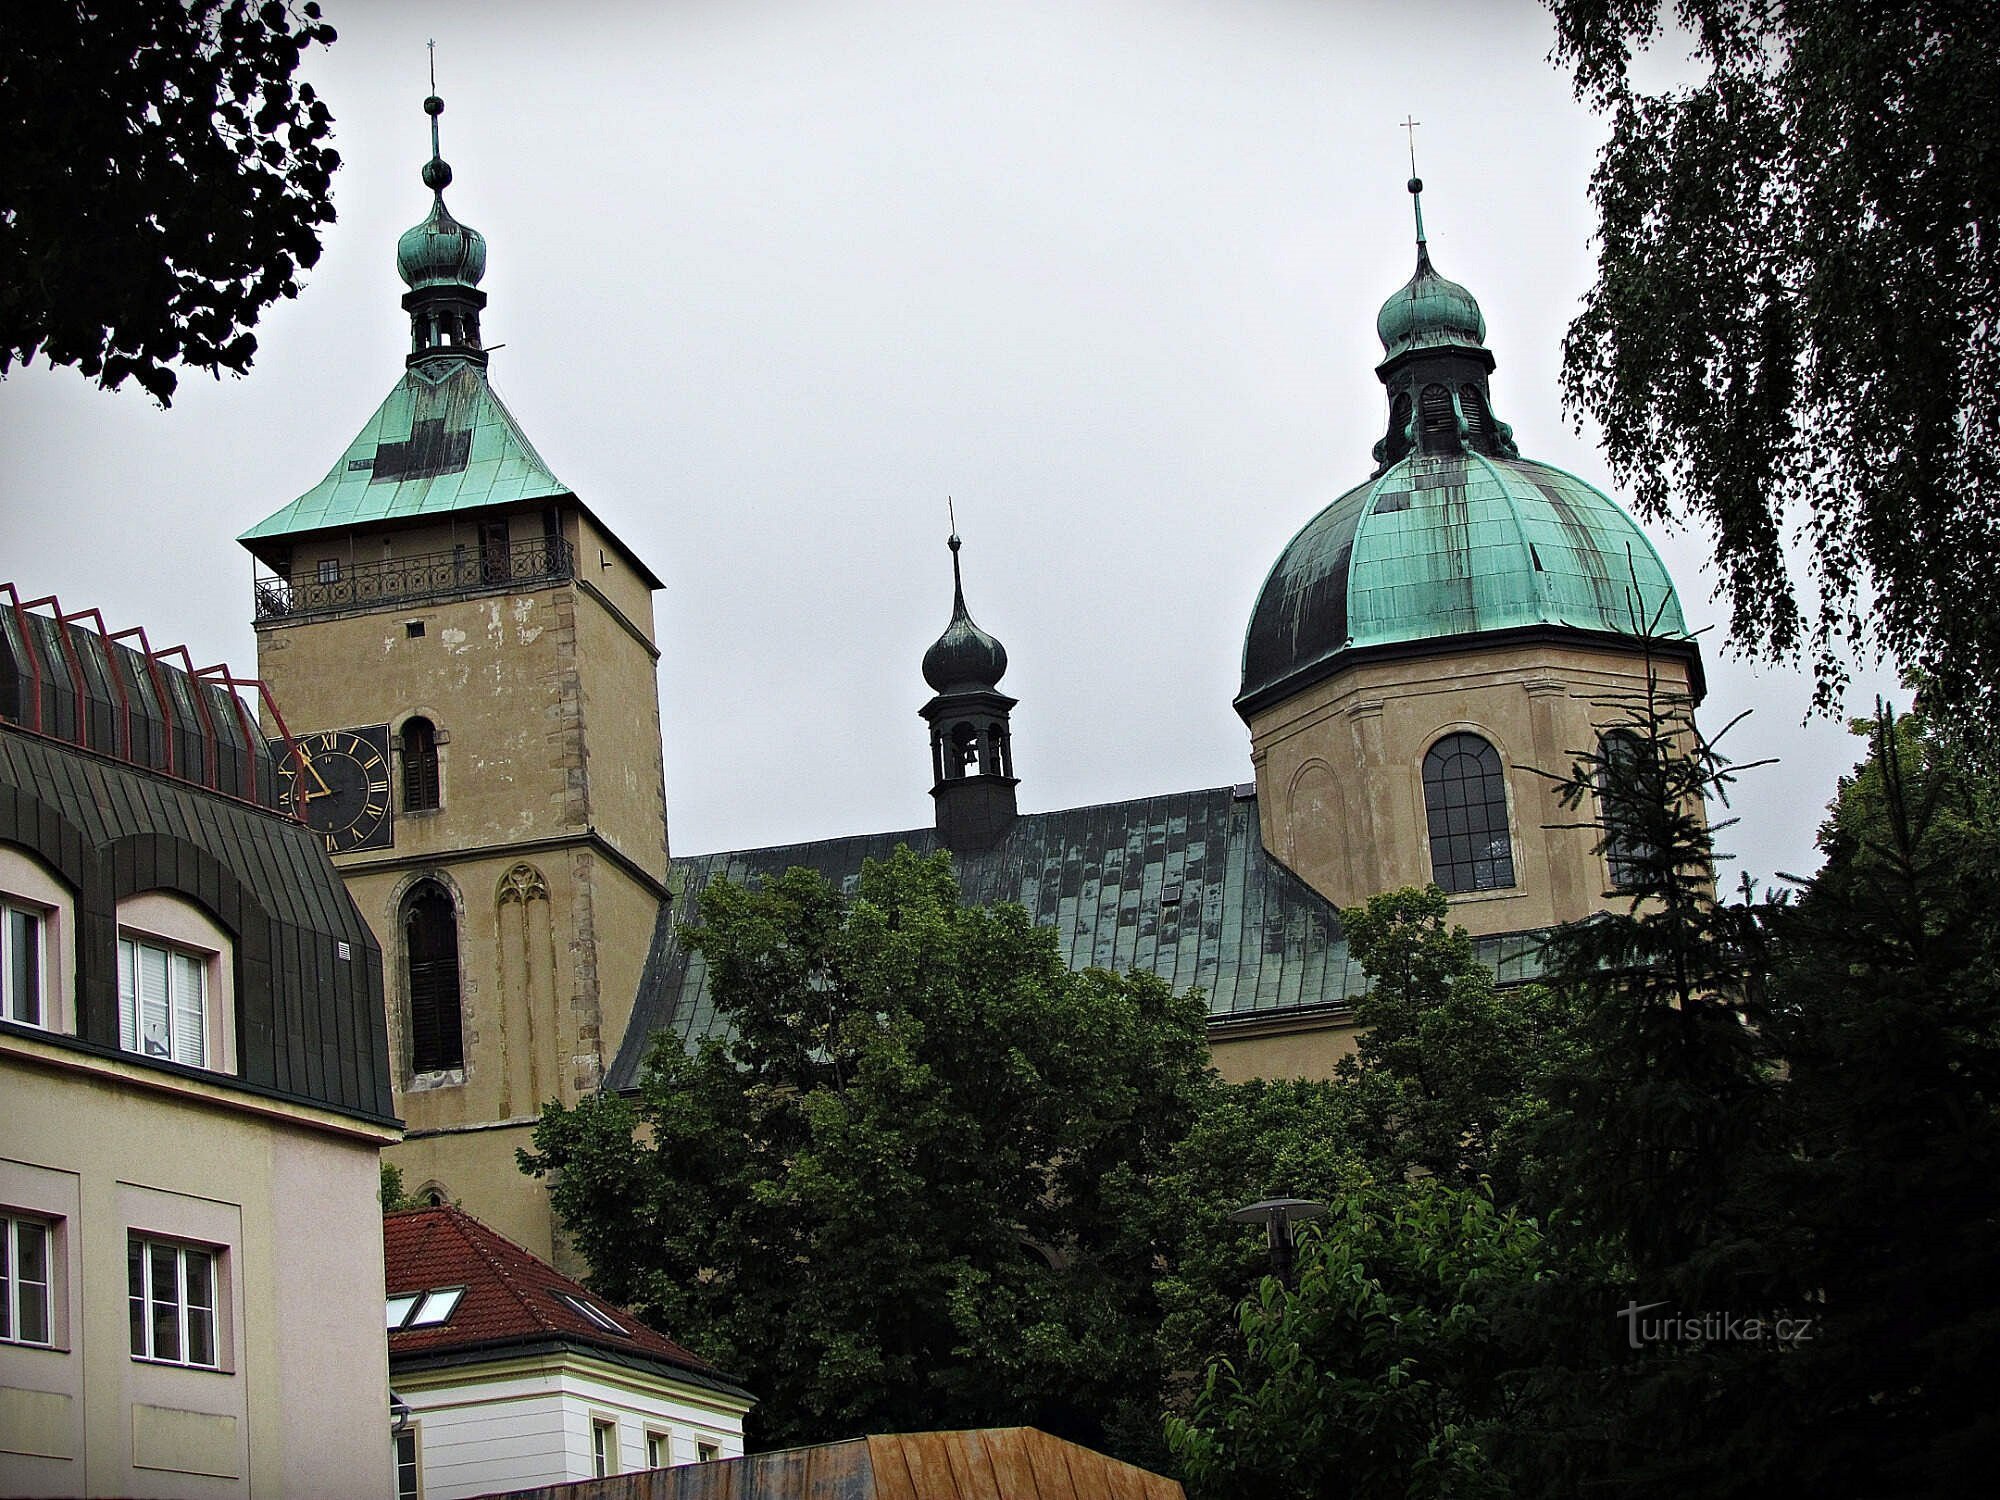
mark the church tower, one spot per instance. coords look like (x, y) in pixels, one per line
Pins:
(1441, 632)
(465, 653)
(972, 744)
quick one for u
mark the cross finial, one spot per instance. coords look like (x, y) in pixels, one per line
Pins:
(1411, 125)
(433, 48)
(952, 512)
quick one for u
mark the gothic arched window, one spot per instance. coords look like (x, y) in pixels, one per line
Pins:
(1621, 789)
(430, 953)
(1465, 802)
(420, 765)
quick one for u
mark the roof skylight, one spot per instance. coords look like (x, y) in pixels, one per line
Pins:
(423, 1309)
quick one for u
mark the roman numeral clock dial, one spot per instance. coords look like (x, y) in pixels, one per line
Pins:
(338, 783)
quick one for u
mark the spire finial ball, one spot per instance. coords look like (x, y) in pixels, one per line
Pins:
(1416, 184)
(433, 105)
(437, 174)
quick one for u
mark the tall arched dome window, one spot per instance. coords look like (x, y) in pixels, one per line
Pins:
(430, 954)
(420, 765)
(1465, 801)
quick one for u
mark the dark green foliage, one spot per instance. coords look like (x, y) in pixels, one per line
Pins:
(1887, 1011)
(165, 180)
(914, 1189)
(1791, 324)
(1386, 1372)
(394, 1198)
(1668, 1083)
(1443, 1082)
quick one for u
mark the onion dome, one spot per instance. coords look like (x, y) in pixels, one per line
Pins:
(440, 251)
(965, 658)
(1428, 312)
(1455, 536)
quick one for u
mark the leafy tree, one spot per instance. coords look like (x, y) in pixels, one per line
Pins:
(394, 1197)
(1387, 1372)
(1444, 1075)
(1886, 1009)
(166, 181)
(1791, 327)
(1289, 1138)
(913, 1188)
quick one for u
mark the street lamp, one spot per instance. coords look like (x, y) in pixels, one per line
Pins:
(1278, 1215)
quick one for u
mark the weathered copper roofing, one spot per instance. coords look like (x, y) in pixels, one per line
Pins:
(991, 1463)
(440, 251)
(1176, 885)
(1427, 311)
(512, 1298)
(442, 442)
(1450, 546)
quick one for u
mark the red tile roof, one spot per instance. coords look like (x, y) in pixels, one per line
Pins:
(510, 1295)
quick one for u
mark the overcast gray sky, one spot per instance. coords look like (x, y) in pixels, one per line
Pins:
(776, 276)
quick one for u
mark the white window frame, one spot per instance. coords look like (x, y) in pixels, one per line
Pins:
(169, 923)
(16, 1230)
(603, 1445)
(707, 1453)
(659, 1448)
(27, 886)
(150, 1297)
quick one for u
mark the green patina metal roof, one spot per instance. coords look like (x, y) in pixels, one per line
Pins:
(1451, 545)
(1177, 885)
(441, 443)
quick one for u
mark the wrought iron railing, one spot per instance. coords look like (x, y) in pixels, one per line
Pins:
(410, 580)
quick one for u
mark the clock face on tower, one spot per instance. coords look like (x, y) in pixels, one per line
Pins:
(339, 784)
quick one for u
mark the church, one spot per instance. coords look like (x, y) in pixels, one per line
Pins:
(465, 652)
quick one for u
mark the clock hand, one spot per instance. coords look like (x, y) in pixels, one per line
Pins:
(313, 771)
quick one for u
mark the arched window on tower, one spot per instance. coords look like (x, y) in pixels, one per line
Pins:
(1465, 802)
(964, 757)
(996, 751)
(1622, 789)
(430, 952)
(420, 765)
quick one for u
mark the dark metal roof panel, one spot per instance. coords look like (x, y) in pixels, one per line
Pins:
(1239, 925)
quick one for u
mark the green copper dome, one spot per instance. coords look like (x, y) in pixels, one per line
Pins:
(1437, 547)
(1427, 311)
(1456, 535)
(440, 251)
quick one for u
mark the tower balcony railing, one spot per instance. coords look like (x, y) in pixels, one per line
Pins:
(412, 580)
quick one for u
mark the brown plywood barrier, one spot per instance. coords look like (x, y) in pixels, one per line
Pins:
(992, 1463)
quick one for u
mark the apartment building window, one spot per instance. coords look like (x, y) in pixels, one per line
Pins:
(707, 1452)
(23, 962)
(603, 1447)
(659, 1450)
(24, 1280)
(162, 1001)
(171, 1291)
(409, 1482)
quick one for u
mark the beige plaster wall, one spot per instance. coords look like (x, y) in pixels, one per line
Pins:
(1312, 1050)
(1340, 772)
(476, 1171)
(293, 1206)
